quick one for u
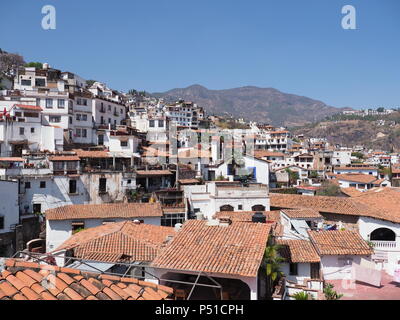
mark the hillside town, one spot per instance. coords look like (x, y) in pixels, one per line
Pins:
(124, 196)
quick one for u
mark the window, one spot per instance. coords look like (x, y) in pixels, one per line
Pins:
(72, 186)
(160, 123)
(129, 181)
(293, 269)
(58, 166)
(109, 107)
(102, 185)
(1, 222)
(42, 184)
(49, 103)
(109, 120)
(21, 131)
(18, 114)
(100, 140)
(240, 207)
(84, 102)
(171, 219)
(38, 101)
(25, 82)
(78, 117)
(124, 143)
(70, 120)
(55, 119)
(79, 101)
(84, 117)
(78, 132)
(77, 226)
(31, 114)
(27, 185)
(84, 133)
(40, 82)
(37, 208)
(151, 123)
(61, 103)
(32, 130)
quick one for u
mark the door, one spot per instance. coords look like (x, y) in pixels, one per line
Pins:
(314, 270)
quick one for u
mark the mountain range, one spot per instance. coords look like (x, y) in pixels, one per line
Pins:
(251, 103)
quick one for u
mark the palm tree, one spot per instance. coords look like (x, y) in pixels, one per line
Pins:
(272, 264)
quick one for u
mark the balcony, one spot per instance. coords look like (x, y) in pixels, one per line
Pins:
(384, 245)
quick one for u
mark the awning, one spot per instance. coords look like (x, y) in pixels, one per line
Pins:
(91, 266)
(300, 226)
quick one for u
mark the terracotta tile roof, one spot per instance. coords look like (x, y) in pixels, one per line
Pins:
(356, 168)
(298, 251)
(337, 242)
(266, 153)
(12, 159)
(153, 172)
(113, 241)
(385, 200)
(28, 107)
(301, 213)
(105, 210)
(237, 249)
(22, 280)
(188, 181)
(360, 177)
(91, 154)
(341, 205)
(351, 192)
(153, 152)
(245, 216)
(64, 158)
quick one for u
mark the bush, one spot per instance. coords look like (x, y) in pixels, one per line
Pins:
(331, 294)
(302, 295)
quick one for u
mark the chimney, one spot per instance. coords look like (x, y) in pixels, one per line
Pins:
(259, 217)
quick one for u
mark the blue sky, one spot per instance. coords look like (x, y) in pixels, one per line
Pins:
(296, 46)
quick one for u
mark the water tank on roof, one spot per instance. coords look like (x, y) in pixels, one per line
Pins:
(259, 217)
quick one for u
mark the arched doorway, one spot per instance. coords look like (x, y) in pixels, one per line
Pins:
(258, 207)
(383, 234)
(226, 207)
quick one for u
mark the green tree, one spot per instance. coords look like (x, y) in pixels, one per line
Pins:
(302, 295)
(331, 294)
(329, 189)
(313, 174)
(272, 265)
(37, 65)
(293, 176)
(380, 109)
(359, 155)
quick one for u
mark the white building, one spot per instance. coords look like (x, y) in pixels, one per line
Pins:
(205, 200)
(65, 221)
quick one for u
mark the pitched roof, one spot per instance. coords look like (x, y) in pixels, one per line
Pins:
(28, 107)
(360, 177)
(385, 200)
(338, 242)
(21, 280)
(91, 154)
(246, 216)
(105, 210)
(153, 172)
(298, 251)
(340, 205)
(12, 159)
(237, 249)
(351, 192)
(121, 240)
(64, 158)
(301, 213)
(356, 168)
(266, 153)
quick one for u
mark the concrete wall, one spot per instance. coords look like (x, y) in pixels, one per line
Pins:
(9, 208)
(57, 231)
(333, 268)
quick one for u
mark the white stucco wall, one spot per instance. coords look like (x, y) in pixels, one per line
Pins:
(57, 231)
(333, 269)
(9, 208)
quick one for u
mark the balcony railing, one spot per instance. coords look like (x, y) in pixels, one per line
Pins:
(384, 244)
